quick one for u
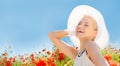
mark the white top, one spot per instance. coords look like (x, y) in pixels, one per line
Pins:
(82, 59)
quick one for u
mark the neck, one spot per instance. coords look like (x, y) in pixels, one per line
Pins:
(83, 42)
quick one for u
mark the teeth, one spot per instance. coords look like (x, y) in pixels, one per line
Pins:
(80, 31)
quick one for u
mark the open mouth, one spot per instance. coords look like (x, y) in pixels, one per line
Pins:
(79, 31)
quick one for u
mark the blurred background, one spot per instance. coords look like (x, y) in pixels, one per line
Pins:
(24, 24)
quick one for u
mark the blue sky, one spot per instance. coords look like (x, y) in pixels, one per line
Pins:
(24, 24)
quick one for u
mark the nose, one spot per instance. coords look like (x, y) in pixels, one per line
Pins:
(80, 27)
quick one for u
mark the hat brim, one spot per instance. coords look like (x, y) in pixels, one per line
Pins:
(77, 14)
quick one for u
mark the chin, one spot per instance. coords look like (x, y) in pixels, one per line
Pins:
(80, 36)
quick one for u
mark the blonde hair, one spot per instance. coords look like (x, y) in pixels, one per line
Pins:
(93, 20)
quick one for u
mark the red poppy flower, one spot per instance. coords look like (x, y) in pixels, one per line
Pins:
(41, 62)
(5, 54)
(48, 52)
(44, 50)
(50, 61)
(8, 63)
(32, 57)
(110, 61)
(61, 56)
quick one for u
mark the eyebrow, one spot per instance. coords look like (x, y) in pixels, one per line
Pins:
(84, 22)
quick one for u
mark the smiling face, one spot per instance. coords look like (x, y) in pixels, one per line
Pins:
(87, 28)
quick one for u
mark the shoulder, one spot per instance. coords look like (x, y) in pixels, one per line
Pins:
(91, 46)
(93, 53)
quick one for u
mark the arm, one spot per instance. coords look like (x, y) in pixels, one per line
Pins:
(56, 36)
(94, 53)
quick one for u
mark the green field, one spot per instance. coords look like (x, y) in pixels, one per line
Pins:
(54, 58)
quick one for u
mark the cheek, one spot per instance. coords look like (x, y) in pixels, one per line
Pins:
(89, 31)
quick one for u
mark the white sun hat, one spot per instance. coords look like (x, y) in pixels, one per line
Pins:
(102, 37)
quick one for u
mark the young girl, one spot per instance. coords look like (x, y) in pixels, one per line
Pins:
(90, 37)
